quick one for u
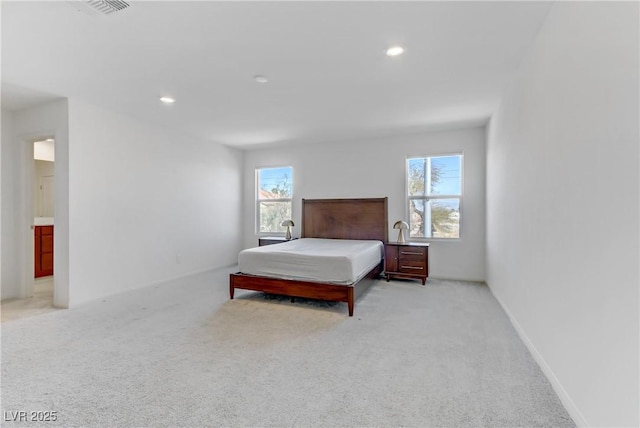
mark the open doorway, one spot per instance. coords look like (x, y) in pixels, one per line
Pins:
(40, 280)
(43, 221)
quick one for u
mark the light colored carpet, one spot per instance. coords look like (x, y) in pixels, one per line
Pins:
(183, 354)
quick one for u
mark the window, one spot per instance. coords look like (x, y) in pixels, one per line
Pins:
(274, 191)
(434, 193)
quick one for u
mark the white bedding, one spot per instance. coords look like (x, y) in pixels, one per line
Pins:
(338, 261)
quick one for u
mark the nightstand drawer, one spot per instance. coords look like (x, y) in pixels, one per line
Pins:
(415, 253)
(416, 267)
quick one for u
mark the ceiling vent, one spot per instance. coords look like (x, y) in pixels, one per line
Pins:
(99, 7)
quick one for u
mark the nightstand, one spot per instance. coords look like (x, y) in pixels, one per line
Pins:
(270, 240)
(408, 260)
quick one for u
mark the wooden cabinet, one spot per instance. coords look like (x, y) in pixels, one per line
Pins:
(270, 240)
(409, 260)
(43, 251)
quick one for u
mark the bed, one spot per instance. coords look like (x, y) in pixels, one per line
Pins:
(343, 219)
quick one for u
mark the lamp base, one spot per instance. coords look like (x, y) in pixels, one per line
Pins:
(288, 235)
(401, 237)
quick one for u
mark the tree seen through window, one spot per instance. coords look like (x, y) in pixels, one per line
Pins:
(434, 192)
(274, 193)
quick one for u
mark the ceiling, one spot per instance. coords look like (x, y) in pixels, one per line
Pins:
(328, 76)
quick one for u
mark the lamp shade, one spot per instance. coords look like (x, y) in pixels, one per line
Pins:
(402, 225)
(289, 224)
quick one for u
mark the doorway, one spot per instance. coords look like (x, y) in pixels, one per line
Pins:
(43, 218)
(41, 197)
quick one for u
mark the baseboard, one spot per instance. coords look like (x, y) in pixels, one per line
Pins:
(566, 400)
(455, 278)
(183, 275)
(197, 271)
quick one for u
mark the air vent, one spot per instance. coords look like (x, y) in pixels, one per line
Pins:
(107, 7)
(99, 7)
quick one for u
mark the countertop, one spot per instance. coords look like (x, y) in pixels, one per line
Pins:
(43, 221)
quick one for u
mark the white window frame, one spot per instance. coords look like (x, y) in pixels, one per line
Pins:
(426, 198)
(258, 200)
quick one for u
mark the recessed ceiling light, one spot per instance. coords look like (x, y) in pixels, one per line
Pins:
(167, 100)
(395, 51)
(49, 140)
(260, 79)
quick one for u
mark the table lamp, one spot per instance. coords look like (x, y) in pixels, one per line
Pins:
(402, 225)
(289, 224)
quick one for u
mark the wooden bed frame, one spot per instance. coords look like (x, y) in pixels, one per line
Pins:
(328, 218)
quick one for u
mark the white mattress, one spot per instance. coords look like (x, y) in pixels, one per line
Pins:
(338, 261)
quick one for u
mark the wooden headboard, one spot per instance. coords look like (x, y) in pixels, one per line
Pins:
(345, 218)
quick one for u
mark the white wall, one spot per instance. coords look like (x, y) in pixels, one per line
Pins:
(43, 207)
(376, 168)
(146, 204)
(9, 281)
(20, 129)
(130, 199)
(562, 207)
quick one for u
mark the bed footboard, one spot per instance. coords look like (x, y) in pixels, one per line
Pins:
(310, 290)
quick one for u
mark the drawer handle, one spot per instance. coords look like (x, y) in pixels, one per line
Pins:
(412, 253)
(412, 267)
